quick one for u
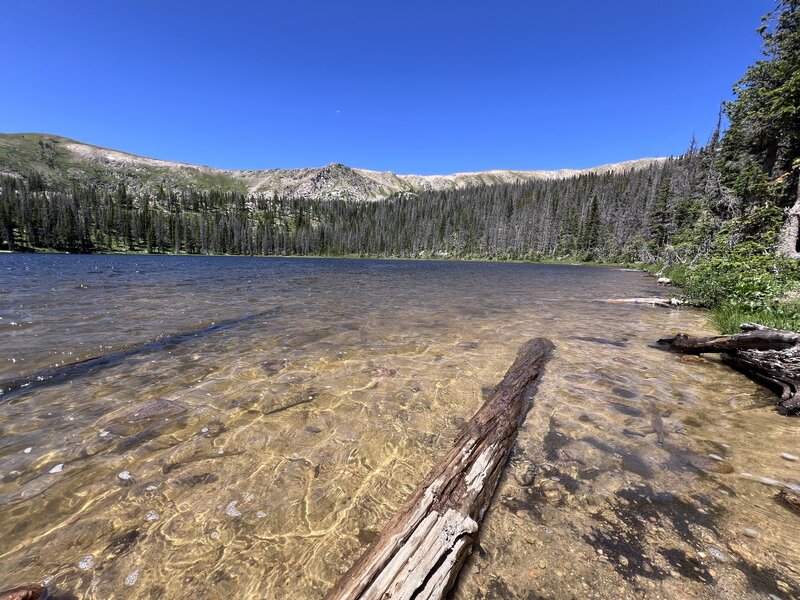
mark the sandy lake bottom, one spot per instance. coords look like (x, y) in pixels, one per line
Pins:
(292, 404)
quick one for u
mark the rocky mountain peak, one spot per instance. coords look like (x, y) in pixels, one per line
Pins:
(60, 159)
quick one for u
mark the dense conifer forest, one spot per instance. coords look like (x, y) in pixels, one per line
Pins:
(722, 218)
(629, 216)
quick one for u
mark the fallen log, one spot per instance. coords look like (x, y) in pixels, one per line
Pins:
(421, 549)
(26, 592)
(770, 356)
(662, 302)
(790, 497)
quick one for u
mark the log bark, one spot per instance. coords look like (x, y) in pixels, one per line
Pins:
(421, 549)
(26, 592)
(789, 497)
(770, 356)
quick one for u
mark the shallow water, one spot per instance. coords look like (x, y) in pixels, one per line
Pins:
(260, 458)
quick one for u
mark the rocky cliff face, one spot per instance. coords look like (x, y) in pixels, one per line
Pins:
(60, 159)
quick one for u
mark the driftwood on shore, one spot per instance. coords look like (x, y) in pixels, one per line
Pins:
(770, 356)
(661, 302)
(421, 549)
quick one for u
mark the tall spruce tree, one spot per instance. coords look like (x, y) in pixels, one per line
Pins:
(761, 148)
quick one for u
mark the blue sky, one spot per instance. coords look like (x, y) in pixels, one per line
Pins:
(414, 87)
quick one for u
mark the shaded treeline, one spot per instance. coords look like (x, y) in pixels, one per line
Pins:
(628, 216)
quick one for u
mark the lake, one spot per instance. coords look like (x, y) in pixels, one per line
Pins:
(257, 420)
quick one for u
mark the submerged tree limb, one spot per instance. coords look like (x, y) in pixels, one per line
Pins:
(54, 375)
(770, 356)
(421, 549)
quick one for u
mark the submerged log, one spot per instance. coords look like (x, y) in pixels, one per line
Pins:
(54, 375)
(421, 549)
(770, 356)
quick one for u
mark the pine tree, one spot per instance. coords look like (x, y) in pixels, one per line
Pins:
(762, 144)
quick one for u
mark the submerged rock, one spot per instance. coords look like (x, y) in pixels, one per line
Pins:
(231, 509)
(160, 407)
(599, 340)
(384, 371)
(710, 465)
(151, 516)
(718, 555)
(125, 478)
(213, 429)
(131, 578)
(751, 533)
(197, 479)
(122, 544)
(273, 366)
(526, 477)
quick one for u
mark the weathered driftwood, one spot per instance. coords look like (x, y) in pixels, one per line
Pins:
(26, 592)
(662, 302)
(421, 549)
(771, 356)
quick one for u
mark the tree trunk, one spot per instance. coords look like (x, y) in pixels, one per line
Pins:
(791, 229)
(770, 356)
(421, 549)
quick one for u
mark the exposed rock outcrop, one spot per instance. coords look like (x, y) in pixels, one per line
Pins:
(60, 159)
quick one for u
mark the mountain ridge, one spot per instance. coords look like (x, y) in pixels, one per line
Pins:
(61, 160)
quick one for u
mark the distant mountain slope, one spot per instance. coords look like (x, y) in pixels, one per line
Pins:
(59, 159)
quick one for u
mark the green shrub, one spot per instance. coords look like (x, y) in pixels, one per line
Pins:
(748, 275)
(743, 268)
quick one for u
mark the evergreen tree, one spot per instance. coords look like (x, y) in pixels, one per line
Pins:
(762, 145)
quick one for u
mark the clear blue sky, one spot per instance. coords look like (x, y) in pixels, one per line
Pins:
(414, 87)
